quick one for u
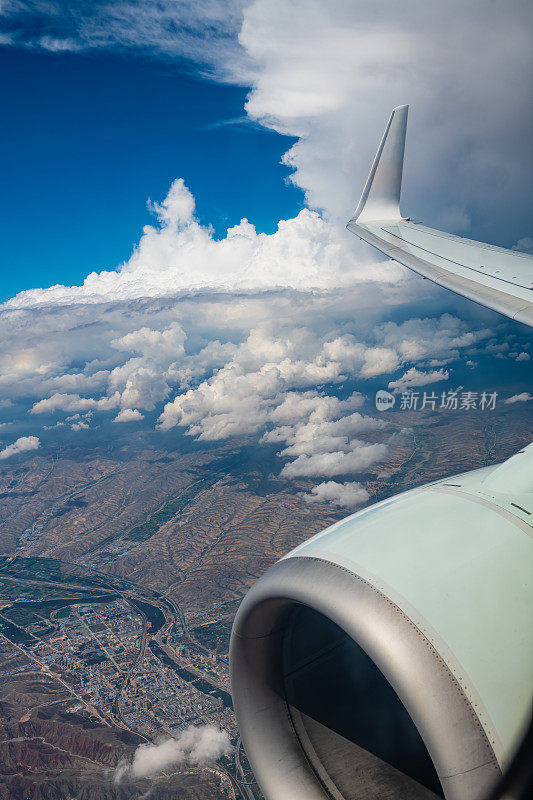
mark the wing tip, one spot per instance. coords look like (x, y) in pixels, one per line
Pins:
(381, 195)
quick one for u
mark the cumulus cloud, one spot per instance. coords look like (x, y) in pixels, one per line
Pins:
(243, 393)
(354, 457)
(430, 340)
(522, 397)
(322, 437)
(344, 495)
(416, 377)
(73, 402)
(129, 415)
(178, 254)
(268, 384)
(194, 746)
(241, 396)
(219, 365)
(82, 425)
(257, 389)
(146, 342)
(21, 445)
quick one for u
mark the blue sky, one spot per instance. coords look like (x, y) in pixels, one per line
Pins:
(87, 138)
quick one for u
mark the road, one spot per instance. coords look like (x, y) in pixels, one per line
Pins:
(123, 684)
(244, 785)
(43, 668)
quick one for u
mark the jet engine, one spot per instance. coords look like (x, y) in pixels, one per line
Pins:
(390, 656)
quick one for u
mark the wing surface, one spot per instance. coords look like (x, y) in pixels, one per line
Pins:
(492, 276)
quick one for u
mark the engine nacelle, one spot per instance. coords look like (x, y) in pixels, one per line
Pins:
(390, 656)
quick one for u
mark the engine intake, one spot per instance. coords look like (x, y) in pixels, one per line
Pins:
(389, 656)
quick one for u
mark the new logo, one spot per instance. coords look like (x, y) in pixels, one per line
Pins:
(384, 400)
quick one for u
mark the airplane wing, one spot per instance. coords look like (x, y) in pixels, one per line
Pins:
(492, 276)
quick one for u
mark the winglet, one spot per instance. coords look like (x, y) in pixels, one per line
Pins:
(381, 195)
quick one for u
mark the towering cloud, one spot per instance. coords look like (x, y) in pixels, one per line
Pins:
(178, 254)
(329, 73)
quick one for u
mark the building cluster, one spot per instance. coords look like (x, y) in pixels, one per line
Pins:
(29, 537)
(101, 651)
(159, 700)
(207, 663)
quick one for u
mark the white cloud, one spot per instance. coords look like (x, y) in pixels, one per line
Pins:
(202, 31)
(321, 437)
(178, 254)
(522, 397)
(73, 402)
(80, 426)
(415, 377)
(357, 457)
(344, 495)
(21, 445)
(269, 381)
(76, 382)
(430, 338)
(129, 415)
(313, 409)
(240, 397)
(139, 382)
(525, 244)
(329, 73)
(222, 365)
(192, 747)
(257, 389)
(523, 357)
(147, 342)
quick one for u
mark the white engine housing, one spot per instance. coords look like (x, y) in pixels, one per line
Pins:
(390, 655)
